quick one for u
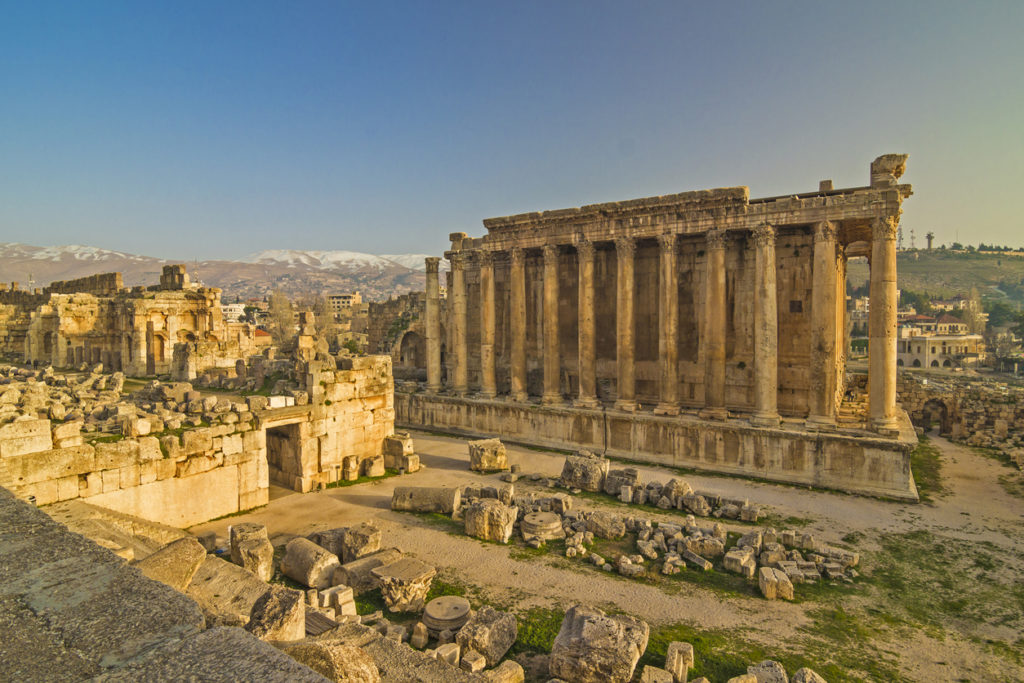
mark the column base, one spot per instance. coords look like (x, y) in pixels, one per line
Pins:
(552, 399)
(626, 405)
(486, 394)
(820, 423)
(720, 414)
(766, 420)
(519, 396)
(671, 409)
(586, 402)
(887, 426)
(434, 389)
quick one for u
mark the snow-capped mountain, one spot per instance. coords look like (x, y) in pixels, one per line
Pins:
(293, 271)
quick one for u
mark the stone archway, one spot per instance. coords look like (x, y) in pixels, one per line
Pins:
(936, 411)
(412, 352)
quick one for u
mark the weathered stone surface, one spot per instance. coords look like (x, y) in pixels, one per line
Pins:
(774, 584)
(175, 564)
(225, 592)
(768, 671)
(652, 674)
(544, 526)
(331, 540)
(420, 636)
(490, 520)
(606, 525)
(359, 541)
(358, 574)
(489, 632)
(449, 653)
(679, 660)
(251, 549)
(426, 499)
(487, 455)
(336, 661)
(404, 583)
(616, 479)
(472, 661)
(446, 613)
(308, 563)
(506, 672)
(584, 472)
(806, 675)
(592, 647)
(278, 616)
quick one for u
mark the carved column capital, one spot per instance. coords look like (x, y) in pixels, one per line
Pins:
(550, 254)
(585, 249)
(825, 231)
(459, 259)
(763, 235)
(625, 246)
(715, 238)
(667, 241)
(485, 258)
(432, 263)
(884, 228)
(516, 254)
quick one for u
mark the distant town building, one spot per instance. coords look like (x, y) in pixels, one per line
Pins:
(341, 303)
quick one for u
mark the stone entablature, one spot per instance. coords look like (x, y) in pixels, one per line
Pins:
(701, 301)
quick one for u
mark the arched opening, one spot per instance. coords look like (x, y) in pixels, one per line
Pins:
(935, 412)
(412, 351)
(48, 344)
(947, 364)
(935, 364)
(899, 362)
(917, 363)
(131, 348)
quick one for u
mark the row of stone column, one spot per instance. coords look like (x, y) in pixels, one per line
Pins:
(824, 331)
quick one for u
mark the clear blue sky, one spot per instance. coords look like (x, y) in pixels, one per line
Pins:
(215, 129)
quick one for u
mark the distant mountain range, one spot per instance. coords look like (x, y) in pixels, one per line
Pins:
(292, 271)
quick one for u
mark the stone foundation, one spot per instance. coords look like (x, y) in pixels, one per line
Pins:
(856, 463)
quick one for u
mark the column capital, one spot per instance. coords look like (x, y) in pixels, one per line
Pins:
(516, 254)
(715, 238)
(825, 231)
(667, 240)
(585, 249)
(432, 263)
(763, 235)
(884, 228)
(550, 254)
(459, 259)
(485, 258)
(625, 246)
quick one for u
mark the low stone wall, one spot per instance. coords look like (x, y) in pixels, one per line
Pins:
(858, 464)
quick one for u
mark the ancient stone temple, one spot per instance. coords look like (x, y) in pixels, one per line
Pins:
(702, 329)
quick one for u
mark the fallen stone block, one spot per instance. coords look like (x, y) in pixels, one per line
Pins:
(806, 675)
(679, 660)
(404, 584)
(487, 455)
(374, 466)
(449, 653)
(278, 616)
(768, 671)
(652, 674)
(489, 632)
(473, 662)
(358, 574)
(489, 519)
(359, 541)
(696, 560)
(616, 479)
(251, 549)
(586, 472)
(774, 584)
(336, 661)
(420, 636)
(606, 525)
(440, 499)
(506, 672)
(308, 563)
(592, 647)
(175, 564)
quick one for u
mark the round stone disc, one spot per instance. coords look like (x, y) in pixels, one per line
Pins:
(446, 611)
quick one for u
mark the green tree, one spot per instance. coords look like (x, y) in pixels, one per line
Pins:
(282, 320)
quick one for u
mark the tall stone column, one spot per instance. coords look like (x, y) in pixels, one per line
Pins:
(882, 326)
(668, 325)
(487, 380)
(587, 355)
(625, 253)
(459, 346)
(552, 362)
(433, 322)
(822, 412)
(766, 330)
(517, 325)
(714, 327)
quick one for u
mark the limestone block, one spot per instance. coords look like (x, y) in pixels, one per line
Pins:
(606, 525)
(592, 647)
(507, 672)
(196, 441)
(68, 487)
(487, 455)
(806, 675)
(768, 671)
(419, 636)
(231, 444)
(449, 653)
(111, 480)
(652, 674)
(404, 583)
(110, 456)
(445, 500)
(374, 467)
(359, 541)
(251, 549)
(679, 660)
(129, 476)
(616, 479)
(743, 678)
(278, 616)
(308, 563)
(697, 504)
(489, 632)
(774, 584)
(350, 468)
(25, 436)
(175, 564)
(358, 574)
(740, 561)
(585, 472)
(331, 540)
(399, 443)
(490, 520)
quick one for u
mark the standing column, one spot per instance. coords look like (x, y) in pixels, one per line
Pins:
(714, 327)
(882, 325)
(766, 330)
(625, 252)
(552, 363)
(517, 304)
(487, 381)
(459, 347)
(822, 411)
(587, 359)
(433, 325)
(668, 325)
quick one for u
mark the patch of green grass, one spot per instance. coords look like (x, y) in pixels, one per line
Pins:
(926, 465)
(341, 483)
(538, 627)
(104, 438)
(1013, 482)
(853, 538)
(440, 587)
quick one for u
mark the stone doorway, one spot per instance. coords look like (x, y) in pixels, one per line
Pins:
(284, 449)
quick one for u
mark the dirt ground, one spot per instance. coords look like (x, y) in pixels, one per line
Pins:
(940, 597)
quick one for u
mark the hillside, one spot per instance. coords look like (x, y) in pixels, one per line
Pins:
(946, 273)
